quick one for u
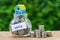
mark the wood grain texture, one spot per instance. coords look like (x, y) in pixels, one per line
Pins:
(8, 36)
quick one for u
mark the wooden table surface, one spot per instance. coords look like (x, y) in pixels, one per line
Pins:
(8, 36)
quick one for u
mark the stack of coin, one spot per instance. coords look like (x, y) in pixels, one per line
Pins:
(32, 34)
(44, 34)
(49, 33)
(37, 33)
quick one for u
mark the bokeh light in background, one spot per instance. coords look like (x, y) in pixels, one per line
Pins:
(46, 12)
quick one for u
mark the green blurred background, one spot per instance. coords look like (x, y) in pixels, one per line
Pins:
(40, 12)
